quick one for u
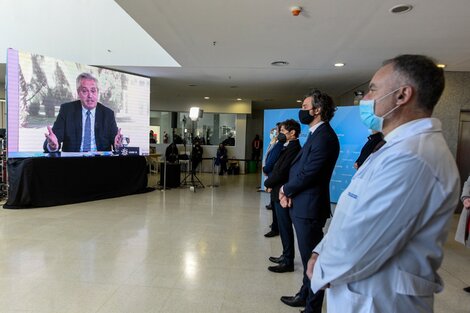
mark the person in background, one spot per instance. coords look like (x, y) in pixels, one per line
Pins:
(172, 153)
(385, 242)
(290, 129)
(256, 146)
(196, 156)
(230, 141)
(374, 142)
(221, 159)
(463, 228)
(272, 155)
(84, 125)
(165, 137)
(307, 193)
(152, 137)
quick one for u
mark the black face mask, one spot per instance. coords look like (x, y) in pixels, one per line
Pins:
(281, 138)
(305, 117)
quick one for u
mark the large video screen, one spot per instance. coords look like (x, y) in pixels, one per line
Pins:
(352, 135)
(37, 88)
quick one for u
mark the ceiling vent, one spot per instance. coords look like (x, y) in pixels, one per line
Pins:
(279, 63)
(401, 8)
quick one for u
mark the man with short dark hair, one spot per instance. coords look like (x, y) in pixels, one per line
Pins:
(289, 134)
(307, 193)
(384, 245)
(84, 125)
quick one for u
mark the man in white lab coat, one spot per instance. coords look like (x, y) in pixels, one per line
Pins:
(384, 244)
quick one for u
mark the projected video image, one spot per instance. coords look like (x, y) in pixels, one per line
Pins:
(43, 91)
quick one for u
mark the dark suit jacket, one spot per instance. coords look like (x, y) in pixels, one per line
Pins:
(309, 177)
(374, 142)
(271, 157)
(280, 173)
(68, 127)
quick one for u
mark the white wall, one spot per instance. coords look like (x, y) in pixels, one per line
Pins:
(176, 104)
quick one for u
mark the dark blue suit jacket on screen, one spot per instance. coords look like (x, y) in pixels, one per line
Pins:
(68, 127)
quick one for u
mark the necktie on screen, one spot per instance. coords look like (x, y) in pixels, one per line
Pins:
(87, 134)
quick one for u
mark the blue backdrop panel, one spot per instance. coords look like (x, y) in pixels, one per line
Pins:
(352, 135)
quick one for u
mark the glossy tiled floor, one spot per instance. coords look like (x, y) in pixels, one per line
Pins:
(173, 251)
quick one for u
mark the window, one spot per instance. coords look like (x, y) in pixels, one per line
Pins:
(211, 129)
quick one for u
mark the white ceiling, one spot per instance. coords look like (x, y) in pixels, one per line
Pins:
(225, 47)
(85, 31)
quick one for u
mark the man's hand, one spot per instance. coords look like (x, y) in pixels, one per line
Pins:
(269, 189)
(356, 166)
(283, 199)
(311, 265)
(466, 203)
(52, 141)
(286, 202)
(118, 139)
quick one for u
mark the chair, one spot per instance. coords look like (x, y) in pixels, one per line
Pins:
(153, 161)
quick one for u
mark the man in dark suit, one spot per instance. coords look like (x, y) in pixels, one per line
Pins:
(307, 194)
(84, 125)
(289, 133)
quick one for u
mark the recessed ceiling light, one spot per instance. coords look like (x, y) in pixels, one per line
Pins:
(207, 98)
(401, 8)
(299, 101)
(441, 65)
(339, 64)
(239, 99)
(279, 63)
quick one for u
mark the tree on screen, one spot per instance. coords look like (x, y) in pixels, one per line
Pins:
(37, 87)
(59, 94)
(23, 99)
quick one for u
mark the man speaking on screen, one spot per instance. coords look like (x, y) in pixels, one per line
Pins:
(84, 125)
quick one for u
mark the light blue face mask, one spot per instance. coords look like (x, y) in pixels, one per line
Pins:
(273, 134)
(367, 112)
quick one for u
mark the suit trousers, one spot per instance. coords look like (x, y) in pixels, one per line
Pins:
(286, 232)
(275, 224)
(309, 234)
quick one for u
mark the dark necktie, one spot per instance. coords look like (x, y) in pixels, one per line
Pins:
(87, 134)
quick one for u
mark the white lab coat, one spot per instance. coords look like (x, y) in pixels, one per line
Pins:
(384, 244)
(460, 233)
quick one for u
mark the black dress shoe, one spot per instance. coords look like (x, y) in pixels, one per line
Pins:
(281, 268)
(276, 260)
(467, 289)
(269, 207)
(295, 301)
(271, 234)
